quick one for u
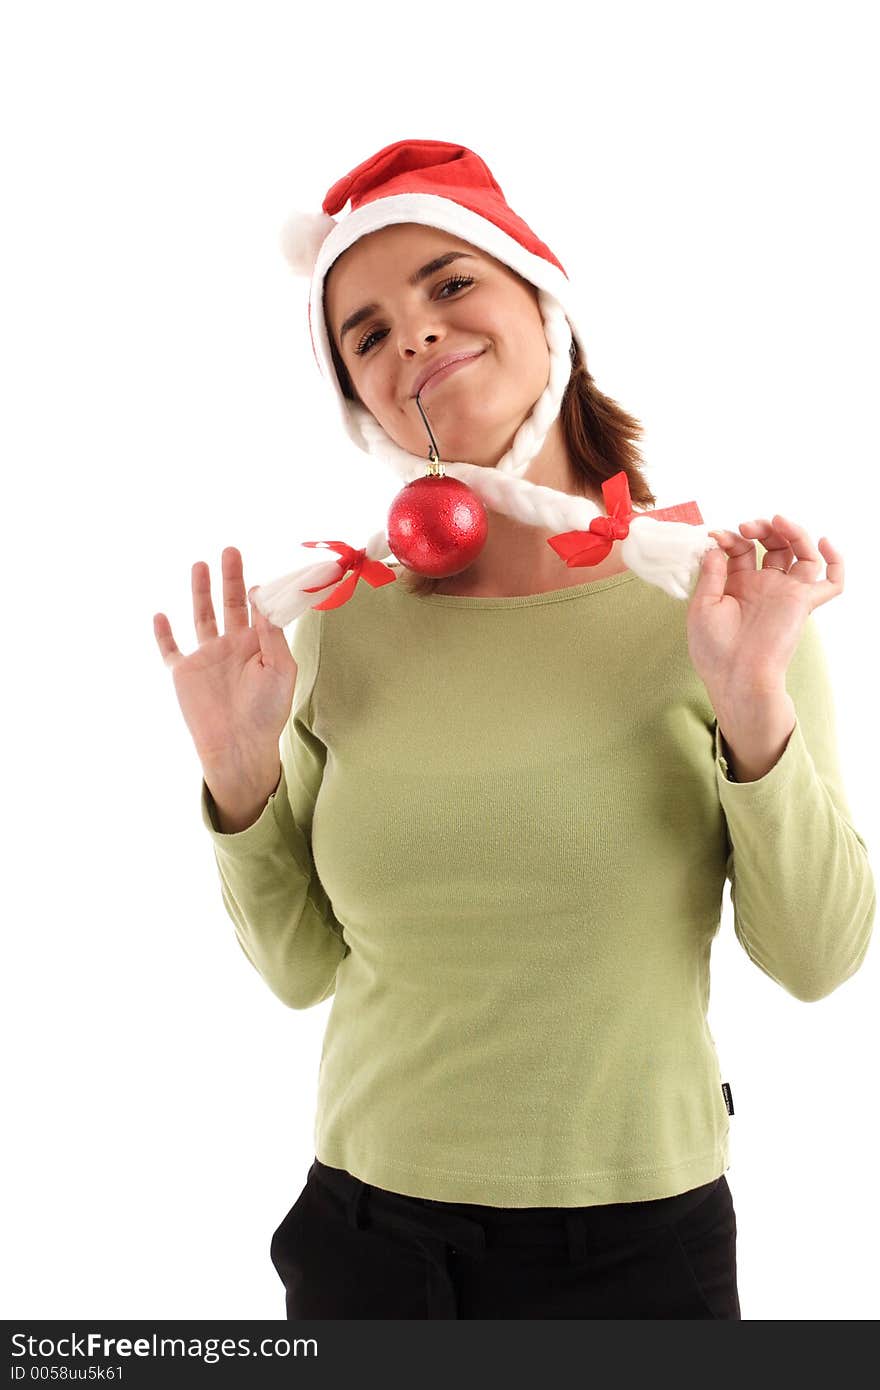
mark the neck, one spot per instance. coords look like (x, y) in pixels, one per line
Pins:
(516, 558)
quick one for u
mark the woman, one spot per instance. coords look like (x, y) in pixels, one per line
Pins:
(505, 802)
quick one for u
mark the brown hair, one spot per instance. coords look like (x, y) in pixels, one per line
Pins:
(600, 437)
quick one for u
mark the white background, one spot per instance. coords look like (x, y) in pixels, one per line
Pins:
(704, 173)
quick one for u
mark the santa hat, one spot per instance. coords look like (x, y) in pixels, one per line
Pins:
(449, 187)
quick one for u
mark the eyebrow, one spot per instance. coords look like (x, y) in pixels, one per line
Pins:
(421, 274)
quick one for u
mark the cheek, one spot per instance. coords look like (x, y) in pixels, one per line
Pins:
(377, 389)
(518, 335)
(523, 362)
(533, 356)
(373, 385)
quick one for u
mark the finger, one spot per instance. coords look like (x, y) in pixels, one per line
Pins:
(258, 617)
(824, 589)
(235, 613)
(741, 553)
(778, 553)
(171, 653)
(712, 575)
(808, 561)
(204, 620)
(273, 643)
(257, 611)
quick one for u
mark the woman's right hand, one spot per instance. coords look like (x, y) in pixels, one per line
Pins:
(235, 690)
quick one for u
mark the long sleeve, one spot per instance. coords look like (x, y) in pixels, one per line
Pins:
(282, 915)
(802, 888)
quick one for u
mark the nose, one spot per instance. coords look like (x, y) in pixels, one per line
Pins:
(417, 332)
(410, 347)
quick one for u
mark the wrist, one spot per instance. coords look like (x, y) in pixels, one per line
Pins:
(247, 771)
(755, 733)
(240, 801)
(743, 711)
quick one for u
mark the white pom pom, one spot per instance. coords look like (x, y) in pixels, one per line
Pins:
(284, 599)
(665, 553)
(302, 237)
(377, 547)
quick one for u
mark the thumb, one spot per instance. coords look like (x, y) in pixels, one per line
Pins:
(712, 578)
(273, 643)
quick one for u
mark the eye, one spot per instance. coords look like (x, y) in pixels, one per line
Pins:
(455, 281)
(458, 281)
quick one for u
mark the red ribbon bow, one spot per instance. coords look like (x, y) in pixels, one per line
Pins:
(591, 546)
(357, 565)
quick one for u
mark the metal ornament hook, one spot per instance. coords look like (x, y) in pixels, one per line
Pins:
(435, 467)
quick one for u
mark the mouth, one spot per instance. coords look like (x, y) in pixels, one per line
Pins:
(450, 365)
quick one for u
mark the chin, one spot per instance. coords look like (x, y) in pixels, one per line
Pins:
(460, 433)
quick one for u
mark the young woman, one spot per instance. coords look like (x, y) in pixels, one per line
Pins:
(491, 811)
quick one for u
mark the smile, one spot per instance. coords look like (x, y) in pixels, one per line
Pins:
(444, 372)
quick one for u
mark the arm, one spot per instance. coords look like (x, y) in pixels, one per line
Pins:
(755, 741)
(282, 916)
(802, 889)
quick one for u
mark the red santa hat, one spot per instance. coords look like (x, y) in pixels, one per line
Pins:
(447, 186)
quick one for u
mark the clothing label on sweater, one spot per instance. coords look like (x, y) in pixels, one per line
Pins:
(728, 1096)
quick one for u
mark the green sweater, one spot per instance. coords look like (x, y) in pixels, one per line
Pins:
(500, 842)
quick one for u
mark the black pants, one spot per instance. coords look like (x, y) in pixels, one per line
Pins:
(347, 1249)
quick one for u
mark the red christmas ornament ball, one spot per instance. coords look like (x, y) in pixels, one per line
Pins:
(437, 526)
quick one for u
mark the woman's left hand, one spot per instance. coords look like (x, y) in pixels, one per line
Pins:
(744, 623)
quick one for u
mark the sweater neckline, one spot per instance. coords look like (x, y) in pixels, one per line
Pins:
(573, 591)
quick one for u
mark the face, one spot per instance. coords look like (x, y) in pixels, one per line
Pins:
(472, 304)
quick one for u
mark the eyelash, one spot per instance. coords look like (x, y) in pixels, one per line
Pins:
(458, 280)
